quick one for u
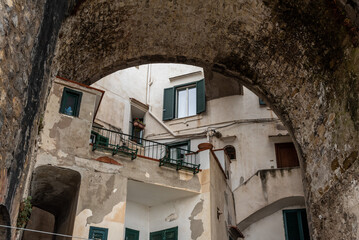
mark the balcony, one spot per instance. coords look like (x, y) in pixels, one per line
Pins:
(126, 145)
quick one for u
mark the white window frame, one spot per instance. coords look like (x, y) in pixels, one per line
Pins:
(187, 99)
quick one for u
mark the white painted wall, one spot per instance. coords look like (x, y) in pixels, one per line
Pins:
(272, 227)
(177, 214)
(163, 216)
(137, 218)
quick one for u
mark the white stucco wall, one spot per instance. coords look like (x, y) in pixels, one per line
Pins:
(168, 215)
(137, 218)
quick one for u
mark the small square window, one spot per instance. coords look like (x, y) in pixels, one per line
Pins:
(261, 102)
(70, 103)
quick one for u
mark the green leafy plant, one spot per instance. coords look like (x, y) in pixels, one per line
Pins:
(24, 212)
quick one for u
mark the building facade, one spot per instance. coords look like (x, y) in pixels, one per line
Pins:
(150, 153)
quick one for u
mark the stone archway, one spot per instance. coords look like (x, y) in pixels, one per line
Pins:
(297, 55)
(293, 54)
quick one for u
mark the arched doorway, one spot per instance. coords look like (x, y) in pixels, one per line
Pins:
(54, 192)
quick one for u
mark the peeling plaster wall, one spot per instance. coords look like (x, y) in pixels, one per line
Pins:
(67, 135)
(103, 189)
(102, 203)
(191, 215)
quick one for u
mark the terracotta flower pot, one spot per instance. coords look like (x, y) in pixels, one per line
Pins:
(203, 146)
(139, 125)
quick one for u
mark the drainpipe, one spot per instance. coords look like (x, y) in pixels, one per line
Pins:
(147, 83)
(163, 125)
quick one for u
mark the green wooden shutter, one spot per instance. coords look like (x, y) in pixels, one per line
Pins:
(171, 234)
(201, 96)
(156, 235)
(168, 234)
(97, 233)
(132, 234)
(296, 225)
(168, 104)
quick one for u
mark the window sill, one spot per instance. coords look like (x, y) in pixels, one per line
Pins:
(184, 120)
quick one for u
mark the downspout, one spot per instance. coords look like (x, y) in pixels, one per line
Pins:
(147, 83)
(163, 125)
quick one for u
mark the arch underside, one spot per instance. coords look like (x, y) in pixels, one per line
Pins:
(270, 209)
(295, 54)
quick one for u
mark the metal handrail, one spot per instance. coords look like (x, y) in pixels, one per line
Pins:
(144, 147)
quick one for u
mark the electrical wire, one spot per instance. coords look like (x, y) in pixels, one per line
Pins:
(43, 232)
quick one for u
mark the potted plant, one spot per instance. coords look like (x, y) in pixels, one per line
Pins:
(138, 123)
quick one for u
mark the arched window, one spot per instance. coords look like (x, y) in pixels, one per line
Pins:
(230, 151)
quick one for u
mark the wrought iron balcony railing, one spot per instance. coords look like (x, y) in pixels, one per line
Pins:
(120, 143)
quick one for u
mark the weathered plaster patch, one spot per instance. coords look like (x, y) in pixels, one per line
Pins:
(204, 179)
(98, 166)
(117, 214)
(171, 217)
(184, 176)
(62, 154)
(99, 192)
(147, 175)
(196, 224)
(80, 229)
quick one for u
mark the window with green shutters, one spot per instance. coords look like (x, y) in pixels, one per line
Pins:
(184, 100)
(168, 234)
(97, 233)
(295, 224)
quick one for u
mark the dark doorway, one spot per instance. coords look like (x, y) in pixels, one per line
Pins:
(54, 190)
(5, 233)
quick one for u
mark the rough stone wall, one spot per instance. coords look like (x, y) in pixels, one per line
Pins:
(27, 40)
(296, 55)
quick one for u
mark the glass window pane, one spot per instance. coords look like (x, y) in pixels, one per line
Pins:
(181, 103)
(173, 153)
(70, 104)
(192, 102)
